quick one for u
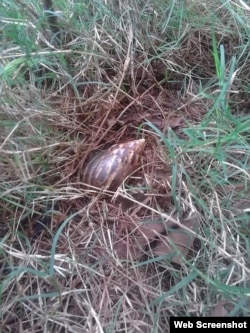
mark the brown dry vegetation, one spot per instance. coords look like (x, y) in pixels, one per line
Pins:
(77, 260)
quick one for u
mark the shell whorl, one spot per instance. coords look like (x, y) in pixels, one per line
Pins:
(109, 168)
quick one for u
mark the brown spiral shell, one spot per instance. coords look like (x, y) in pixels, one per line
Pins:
(109, 168)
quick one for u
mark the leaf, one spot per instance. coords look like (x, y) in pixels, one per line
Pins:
(178, 242)
(150, 230)
(242, 205)
(180, 285)
(132, 245)
(130, 248)
(174, 122)
(166, 123)
(219, 311)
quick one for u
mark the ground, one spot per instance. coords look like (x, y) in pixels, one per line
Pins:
(173, 239)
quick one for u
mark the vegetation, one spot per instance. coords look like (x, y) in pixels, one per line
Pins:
(173, 240)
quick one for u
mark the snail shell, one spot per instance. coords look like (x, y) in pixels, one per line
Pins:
(109, 168)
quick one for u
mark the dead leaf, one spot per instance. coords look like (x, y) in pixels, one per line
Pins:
(165, 247)
(177, 240)
(130, 248)
(165, 123)
(150, 230)
(218, 311)
(160, 174)
(127, 203)
(230, 188)
(134, 118)
(174, 122)
(242, 205)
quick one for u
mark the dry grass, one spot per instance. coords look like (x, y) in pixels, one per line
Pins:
(173, 239)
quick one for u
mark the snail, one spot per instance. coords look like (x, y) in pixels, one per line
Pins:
(109, 168)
